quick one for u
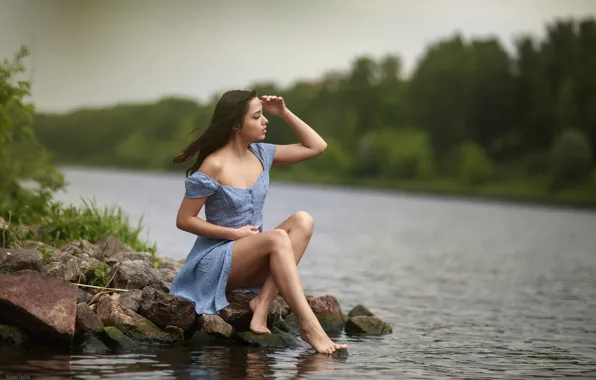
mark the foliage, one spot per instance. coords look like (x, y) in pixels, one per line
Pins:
(22, 158)
(470, 114)
(12, 235)
(571, 157)
(474, 165)
(28, 180)
(64, 224)
(100, 274)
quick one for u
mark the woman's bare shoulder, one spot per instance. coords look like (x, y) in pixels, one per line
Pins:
(211, 166)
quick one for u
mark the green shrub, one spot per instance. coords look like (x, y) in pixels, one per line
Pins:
(27, 178)
(398, 154)
(571, 158)
(474, 165)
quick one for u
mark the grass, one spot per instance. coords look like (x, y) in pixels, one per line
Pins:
(11, 235)
(64, 224)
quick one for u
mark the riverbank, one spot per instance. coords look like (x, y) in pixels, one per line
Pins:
(524, 192)
(520, 192)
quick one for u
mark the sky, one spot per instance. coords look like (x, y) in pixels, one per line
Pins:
(98, 53)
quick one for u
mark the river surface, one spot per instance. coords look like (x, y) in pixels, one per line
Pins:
(473, 289)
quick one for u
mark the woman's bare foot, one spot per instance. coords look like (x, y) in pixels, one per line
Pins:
(258, 323)
(313, 334)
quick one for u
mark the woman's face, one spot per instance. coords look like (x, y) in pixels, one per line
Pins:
(254, 127)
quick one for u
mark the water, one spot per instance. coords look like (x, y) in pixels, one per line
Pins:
(476, 290)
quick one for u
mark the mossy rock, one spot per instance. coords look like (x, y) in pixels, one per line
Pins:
(277, 339)
(289, 325)
(200, 339)
(331, 323)
(149, 333)
(12, 336)
(176, 332)
(115, 339)
(90, 344)
(364, 325)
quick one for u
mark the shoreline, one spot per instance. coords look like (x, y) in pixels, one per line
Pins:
(452, 191)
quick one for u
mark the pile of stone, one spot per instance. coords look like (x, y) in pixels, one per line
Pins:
(47, 296)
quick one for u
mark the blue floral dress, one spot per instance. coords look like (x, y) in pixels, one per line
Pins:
(204, 277)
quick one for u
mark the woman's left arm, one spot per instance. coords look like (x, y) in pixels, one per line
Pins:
(311, 143)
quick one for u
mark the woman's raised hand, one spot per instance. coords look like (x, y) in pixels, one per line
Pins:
(275, 105)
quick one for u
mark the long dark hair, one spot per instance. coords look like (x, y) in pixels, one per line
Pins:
(229, 113)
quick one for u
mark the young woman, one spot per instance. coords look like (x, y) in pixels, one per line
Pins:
(230, 177)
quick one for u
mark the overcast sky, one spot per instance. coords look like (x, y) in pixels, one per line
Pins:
(94, 53)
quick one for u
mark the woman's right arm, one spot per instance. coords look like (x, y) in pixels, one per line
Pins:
(188, 220)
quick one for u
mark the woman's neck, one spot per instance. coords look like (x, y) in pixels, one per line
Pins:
(237, 147)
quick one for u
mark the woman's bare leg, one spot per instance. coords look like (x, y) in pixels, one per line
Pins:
(274, 247)
(299, 227)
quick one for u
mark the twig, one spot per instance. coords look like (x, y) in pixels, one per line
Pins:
(103, 288)
(96, 296)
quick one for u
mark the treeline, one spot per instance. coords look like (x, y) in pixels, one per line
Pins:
(472, 118)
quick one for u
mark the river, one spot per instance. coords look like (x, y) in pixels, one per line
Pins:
(473, 289)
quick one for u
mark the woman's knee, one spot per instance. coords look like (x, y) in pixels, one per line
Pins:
(279, 240)
(304, 221)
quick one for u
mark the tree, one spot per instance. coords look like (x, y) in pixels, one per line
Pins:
(22, 158)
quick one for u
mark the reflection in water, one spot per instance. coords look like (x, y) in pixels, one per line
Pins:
(210, 362)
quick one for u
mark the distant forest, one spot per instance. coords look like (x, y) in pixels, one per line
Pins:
(471, 119)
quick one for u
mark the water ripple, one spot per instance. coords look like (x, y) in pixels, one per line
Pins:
(473, 290)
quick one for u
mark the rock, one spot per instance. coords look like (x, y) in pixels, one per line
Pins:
(364, 325)
(133, 325)
(13, 260)
(200, 339)
(90, 266)
(116, 340)
(167, 274)
(39, 303)
(130, 300)
(83, 296)
(285, 309)
(86, 320)
(277, 339)
(165, 309)
(239, 314)
(360, 311)
(12, 336)
(130, 256)
(167, 263)
(289, 324)
(341, 354)
(65, 266)
(39, 246)
(77, 268)
(83, 249)
(176, 332)
(136, 274)
(90, 344)
(214, 325)
(112, 246)
(328, 312)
